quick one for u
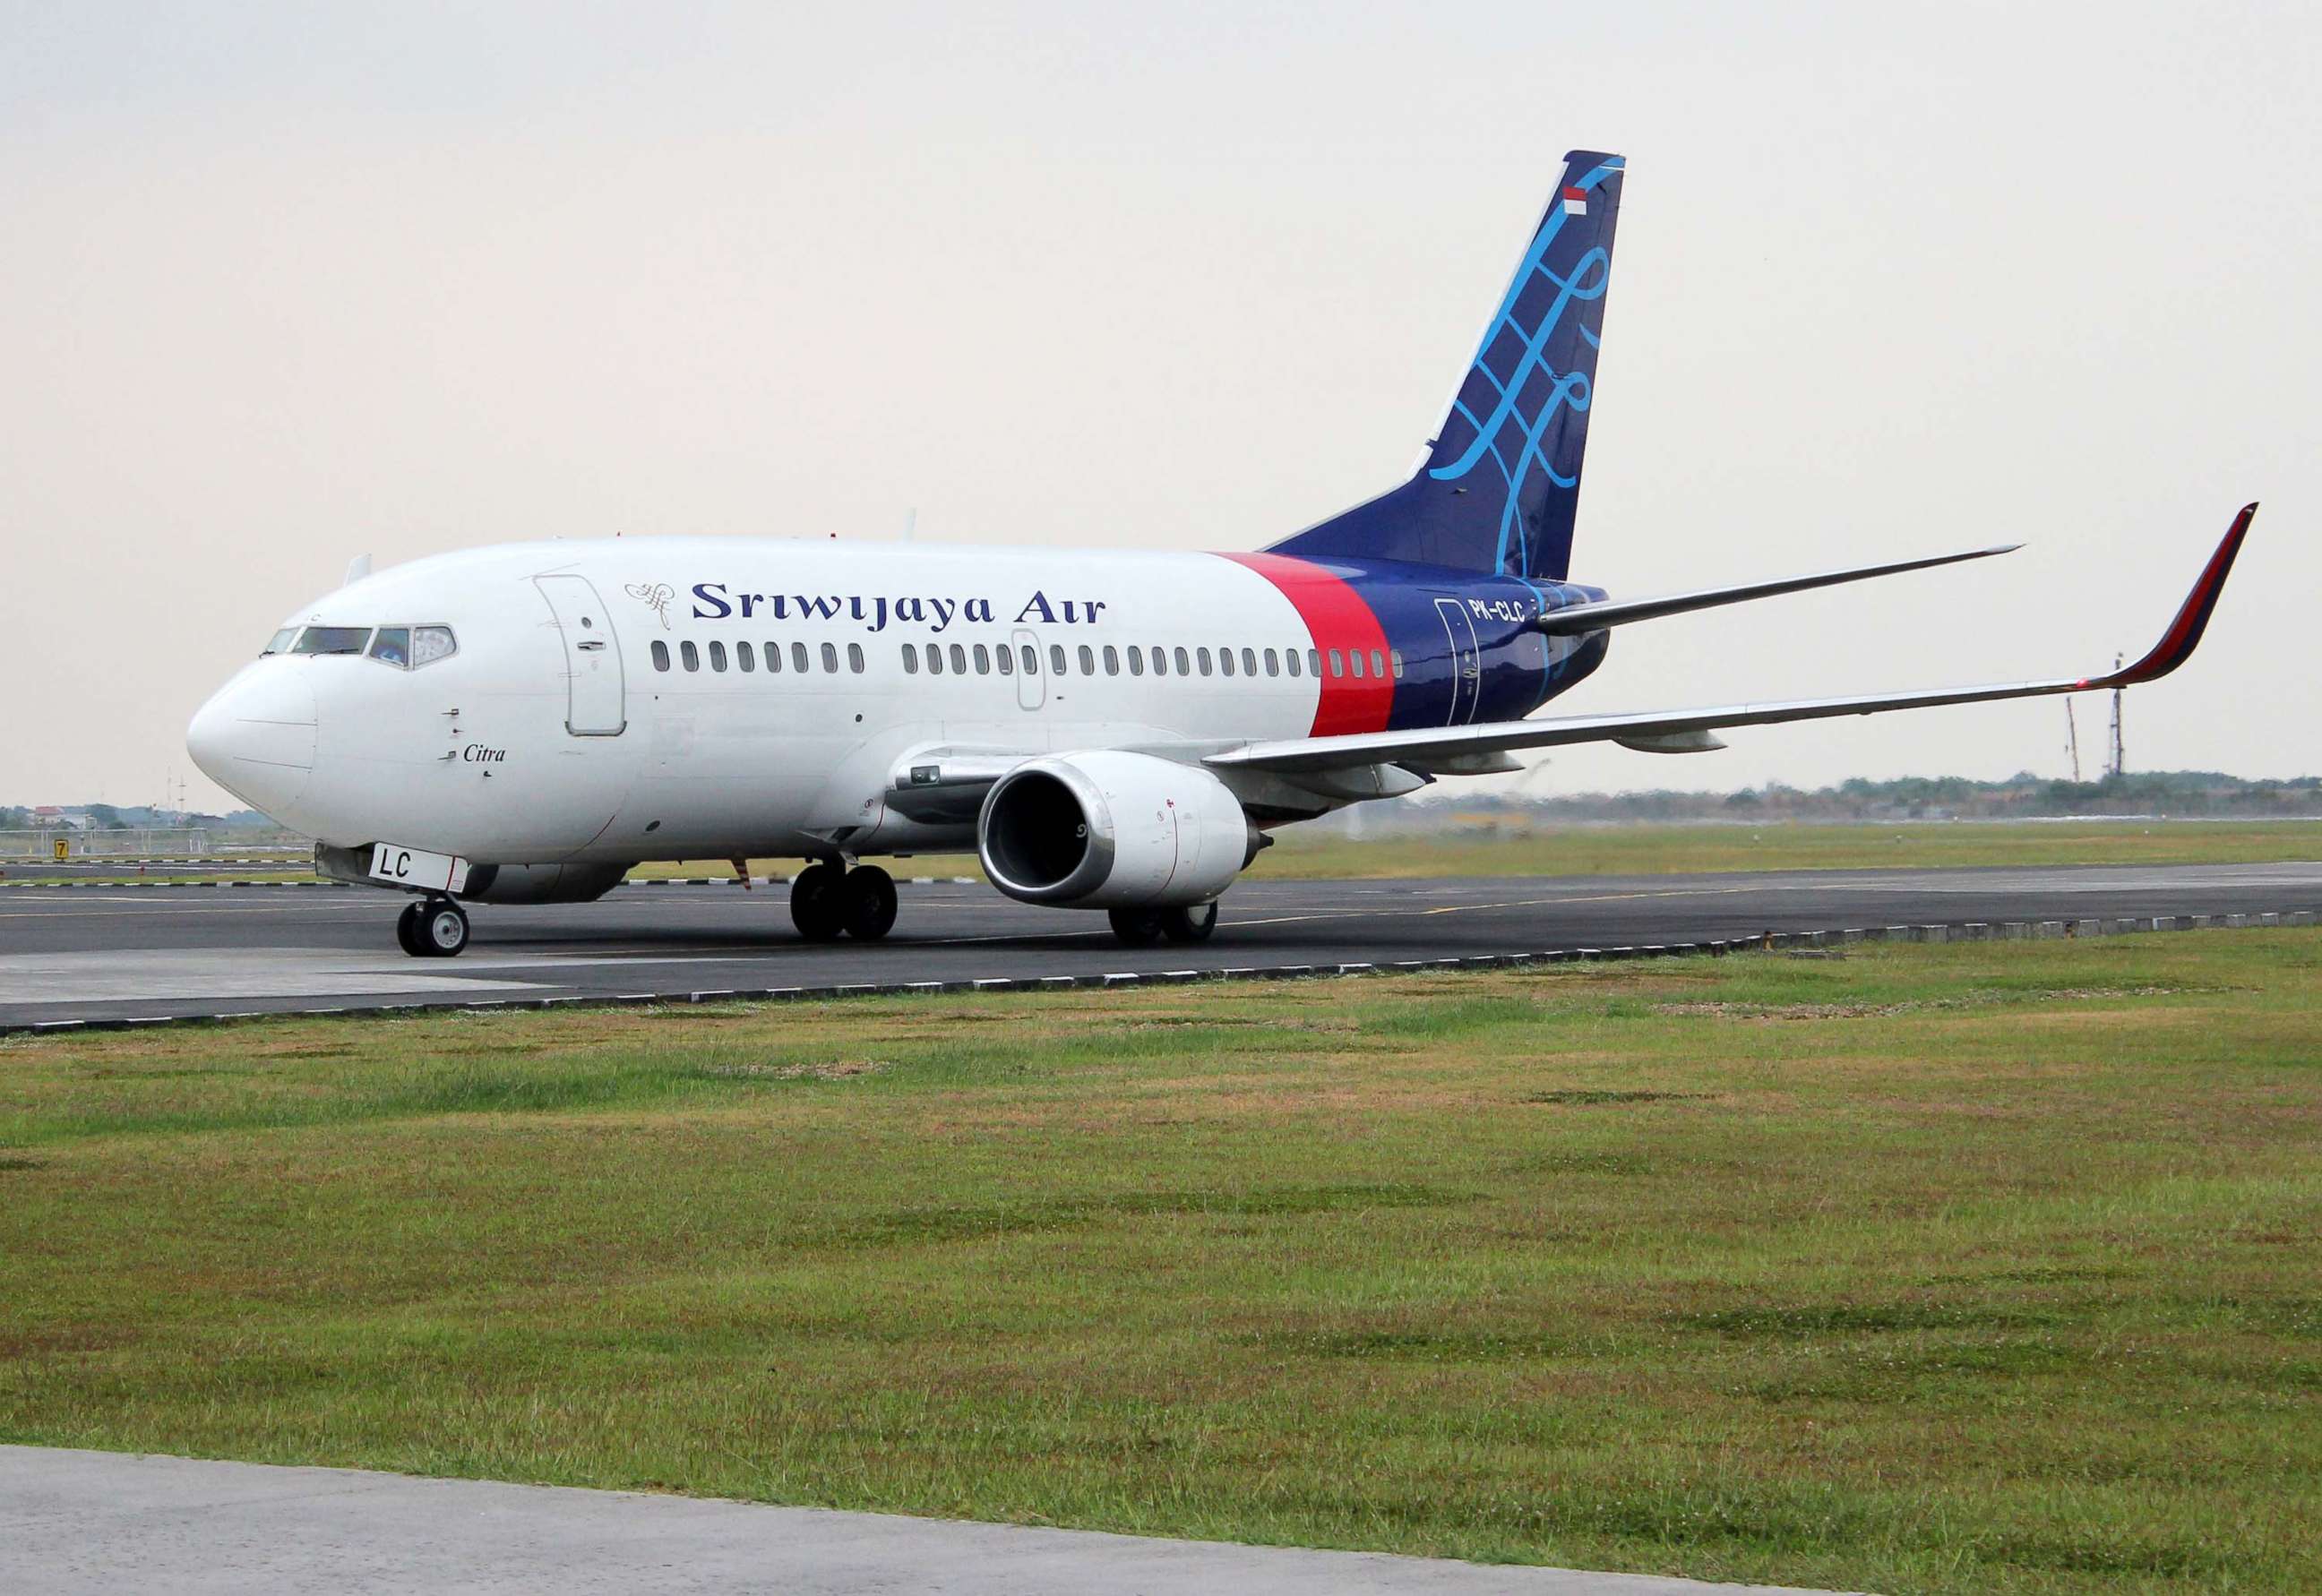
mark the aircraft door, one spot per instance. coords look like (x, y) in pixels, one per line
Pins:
(1032, 671)
(1466, 667)
(596, 704)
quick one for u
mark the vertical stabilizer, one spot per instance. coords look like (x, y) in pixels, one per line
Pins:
(1502, 478)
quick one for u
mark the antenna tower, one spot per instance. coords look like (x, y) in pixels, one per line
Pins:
(2117, 761)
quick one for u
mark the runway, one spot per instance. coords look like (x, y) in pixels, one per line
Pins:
(117, 955)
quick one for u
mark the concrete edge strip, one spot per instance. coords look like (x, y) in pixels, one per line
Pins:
(1792, 942)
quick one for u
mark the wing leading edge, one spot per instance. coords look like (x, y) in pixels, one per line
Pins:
(1325, 753)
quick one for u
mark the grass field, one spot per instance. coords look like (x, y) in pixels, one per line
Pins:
(1626, 850)
(1970, 1268)
(1672, 850)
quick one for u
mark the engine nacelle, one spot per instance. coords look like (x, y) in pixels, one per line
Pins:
(542, 883)
(1113, 830)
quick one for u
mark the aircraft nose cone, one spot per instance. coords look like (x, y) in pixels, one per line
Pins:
(256, 736)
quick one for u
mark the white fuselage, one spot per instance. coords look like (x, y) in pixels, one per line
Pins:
(611, 718)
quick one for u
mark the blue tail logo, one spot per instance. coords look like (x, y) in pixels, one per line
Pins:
(1501, 480)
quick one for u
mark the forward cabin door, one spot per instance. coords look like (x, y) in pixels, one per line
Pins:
(596, 704)
(1466, 667)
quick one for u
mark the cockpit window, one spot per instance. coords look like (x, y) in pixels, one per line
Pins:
(431, 643)
(332, 640)
(406, 648)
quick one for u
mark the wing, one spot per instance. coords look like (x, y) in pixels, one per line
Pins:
(1433, 747)
(1619, 612)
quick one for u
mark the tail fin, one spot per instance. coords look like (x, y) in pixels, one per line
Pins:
(1501, 476)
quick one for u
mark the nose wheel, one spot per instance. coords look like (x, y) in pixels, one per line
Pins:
(431, 928)
(828, 903)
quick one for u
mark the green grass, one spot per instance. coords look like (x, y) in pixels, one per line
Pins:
(1657, 849)
(1669, 850)
(1625, 850)
(1968, 1268)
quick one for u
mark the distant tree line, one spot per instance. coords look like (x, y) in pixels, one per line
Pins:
(2196, 794)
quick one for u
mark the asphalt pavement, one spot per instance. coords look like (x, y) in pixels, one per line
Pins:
(116, 954)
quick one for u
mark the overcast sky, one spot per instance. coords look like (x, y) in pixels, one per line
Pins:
(281, 285)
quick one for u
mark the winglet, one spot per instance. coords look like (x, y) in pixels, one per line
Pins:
(2176, 645)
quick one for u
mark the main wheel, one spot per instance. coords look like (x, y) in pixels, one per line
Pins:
(867, 903)
(1136, 927)
(444, 929)
(1190, 925)
(407, 929)
(818, 897)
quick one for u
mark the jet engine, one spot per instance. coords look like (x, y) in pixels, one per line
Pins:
(542, 883)
(1113, 830)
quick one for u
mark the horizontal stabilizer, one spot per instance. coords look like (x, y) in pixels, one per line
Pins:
(1668, 727)
(1593, 617)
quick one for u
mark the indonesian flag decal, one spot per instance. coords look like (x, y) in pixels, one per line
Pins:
(1575, 202)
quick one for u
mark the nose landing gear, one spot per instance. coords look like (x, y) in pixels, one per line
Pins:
(826, 903)
(431, 928)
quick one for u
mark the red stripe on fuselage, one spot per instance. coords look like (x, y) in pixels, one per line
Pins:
(1336, 617)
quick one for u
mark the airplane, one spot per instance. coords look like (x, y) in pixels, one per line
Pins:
(1108, 730)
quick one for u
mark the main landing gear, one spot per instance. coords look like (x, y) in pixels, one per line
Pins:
(431, 928)
(828, 903)
(1141, 927)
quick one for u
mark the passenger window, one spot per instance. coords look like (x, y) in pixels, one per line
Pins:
(1355, 658)
(1005, 660)
(798, 658)
(1056, 659)
(1182, 662)
(1031, 659)
(660, 654)
(1378, 663)
(1394, 658)
(910, 658)
(332, 640)
(1136, 661)
(280, 642)
(690, 654)
(982, 661)
(773, 657)
(1290, 654)
(958, 660)
(1112, 660)
(1088, 661)
(1225, 661)
(1250, 662)
(1314, 663)
(854, 658)
(1160, 661)
(1273, 664)
(935, 659)
(717, 655)
(1337, 663)
(745, 656)
(1201, 656)
(431, 643)
(830, 659)
(392, 646)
